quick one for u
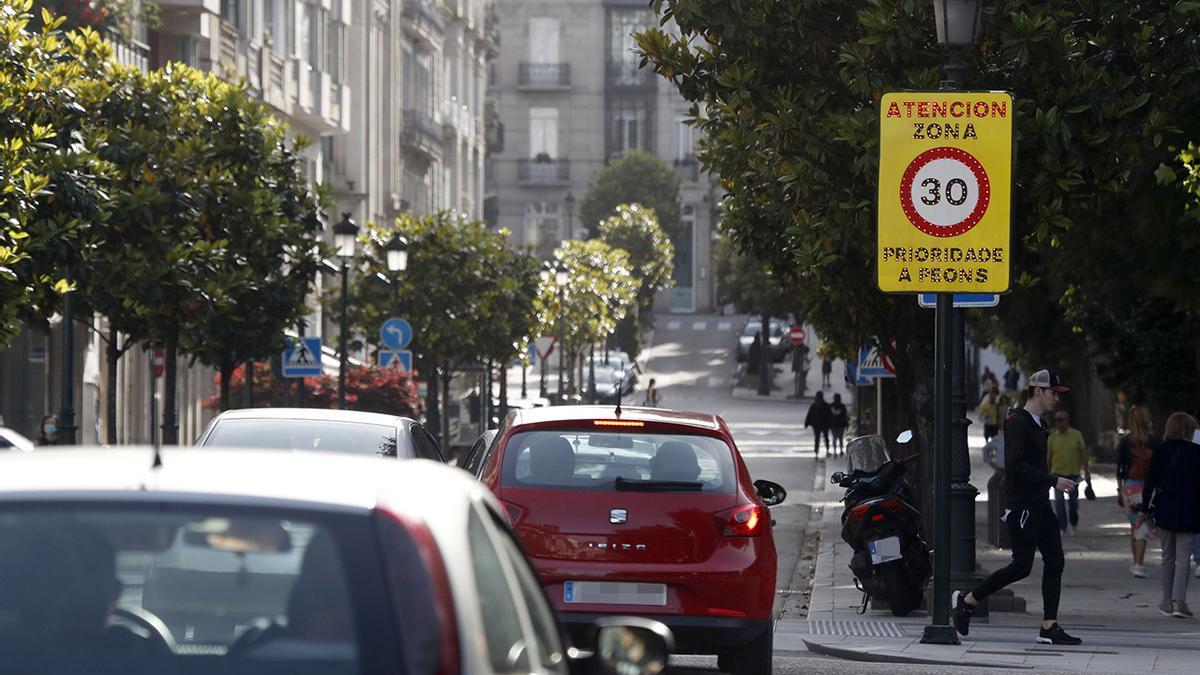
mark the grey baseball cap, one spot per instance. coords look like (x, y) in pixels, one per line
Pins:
(1048, 379)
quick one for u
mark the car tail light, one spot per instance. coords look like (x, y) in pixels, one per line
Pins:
(741, 521)
(515, 512)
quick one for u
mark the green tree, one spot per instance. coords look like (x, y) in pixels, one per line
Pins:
(51, 177)
(601, 289)
(746, 282)
(637, 177)
(468, 293)
(634, 228)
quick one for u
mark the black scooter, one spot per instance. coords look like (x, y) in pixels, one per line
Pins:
(891, 559)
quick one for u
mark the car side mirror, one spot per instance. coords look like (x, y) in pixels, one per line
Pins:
(837, 477)
(629, 645)
(770, 493)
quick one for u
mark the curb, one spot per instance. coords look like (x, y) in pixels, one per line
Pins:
(899, 657)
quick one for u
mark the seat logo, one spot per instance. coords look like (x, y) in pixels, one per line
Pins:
(618, 516)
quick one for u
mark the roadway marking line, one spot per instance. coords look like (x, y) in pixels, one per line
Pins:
(700, 325)
(724, 325)
(716, 381)
(674, 325)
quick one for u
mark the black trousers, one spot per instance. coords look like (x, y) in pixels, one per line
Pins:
(1030, 529)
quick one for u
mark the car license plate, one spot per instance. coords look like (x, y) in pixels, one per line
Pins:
(614, 593)
(885, 550)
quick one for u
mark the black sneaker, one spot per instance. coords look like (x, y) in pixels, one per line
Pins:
(1055, 635)
(962, 612)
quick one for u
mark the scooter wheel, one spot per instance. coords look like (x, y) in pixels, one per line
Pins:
(894, 581)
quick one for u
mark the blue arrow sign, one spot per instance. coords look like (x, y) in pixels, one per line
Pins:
(929, 300)
(395, 333)
(303, 358)
(401, 359)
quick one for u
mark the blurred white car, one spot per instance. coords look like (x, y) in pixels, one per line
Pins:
(11, 440)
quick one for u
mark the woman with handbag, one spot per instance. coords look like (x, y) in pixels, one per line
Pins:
(1133, 463)
(1171, 497)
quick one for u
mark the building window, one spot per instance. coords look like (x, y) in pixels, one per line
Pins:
(543, 40)
(684, 142)
(275, 20)
(543, 133)
(630, 125)
(623, 25)
(334, 43)
(231, 12)
(683, 248)
(542, 227)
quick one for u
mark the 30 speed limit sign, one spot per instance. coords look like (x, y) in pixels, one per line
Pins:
(945, 186)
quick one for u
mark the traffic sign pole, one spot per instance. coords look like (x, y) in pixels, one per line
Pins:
(940, 631)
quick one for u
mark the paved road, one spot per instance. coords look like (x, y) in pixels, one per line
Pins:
(692, 359)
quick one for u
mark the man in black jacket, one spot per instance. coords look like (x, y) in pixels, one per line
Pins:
(1032, 524)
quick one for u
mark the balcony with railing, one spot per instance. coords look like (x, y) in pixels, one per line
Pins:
(132, 53)
(628, 75)
(543, 171)
(688, 168)
(423, 12)
(421, 132)
(544, 76)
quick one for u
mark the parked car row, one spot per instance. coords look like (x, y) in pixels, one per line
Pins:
(306, 553)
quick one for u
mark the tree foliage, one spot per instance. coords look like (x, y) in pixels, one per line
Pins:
(52, 181)
(600, 290)
(637, 177)
(635, 229)
(1106, 93)
(746, 282)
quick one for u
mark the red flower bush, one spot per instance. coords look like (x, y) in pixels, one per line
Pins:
(382, 390)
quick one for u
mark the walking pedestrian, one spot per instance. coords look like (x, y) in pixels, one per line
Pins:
(1068, 459)
(839, 419)
(1032, 525)
(652, 396)
(818, 418)
(1134, 453)
(48, 432)
(826, 371)
(1171, 497)
(989, 414)
(1012, 378)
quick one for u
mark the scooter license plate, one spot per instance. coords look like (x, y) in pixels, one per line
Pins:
(885, 550)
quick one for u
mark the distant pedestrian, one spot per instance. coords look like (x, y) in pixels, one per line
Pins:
(652, 396)
(1032, 525)
(987, 381)
(1012, 379)
(1068, 459)
(989, 414)
(754, 356)
(1134, 453)
(818, 418)
(839, 419)
(826, 371)
(48, 432)
(1004, 407)
(1172, 500)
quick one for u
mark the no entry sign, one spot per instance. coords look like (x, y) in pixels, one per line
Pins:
(796, 335)
(945, 186)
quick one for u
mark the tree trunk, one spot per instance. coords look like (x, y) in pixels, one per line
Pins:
(170, 424)
(113, 356)
(226, 375)
(504, 391)
(248, 384)
(446, 405)
(433, 418)
(764, 356)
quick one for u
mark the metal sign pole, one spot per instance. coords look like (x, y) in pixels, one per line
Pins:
(940, 631)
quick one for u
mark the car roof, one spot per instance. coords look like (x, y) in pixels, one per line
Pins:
(322, 414)
(329, 481)
(587, 413)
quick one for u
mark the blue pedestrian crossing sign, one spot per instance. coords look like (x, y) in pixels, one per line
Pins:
(872, 362)
(395, 333)
(303, 358)
(400, 358)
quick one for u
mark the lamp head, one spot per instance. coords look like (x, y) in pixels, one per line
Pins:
(957, 21)
(345, 234)
(397, 253)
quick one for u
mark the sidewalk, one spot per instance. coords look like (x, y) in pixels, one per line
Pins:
(1115, 614)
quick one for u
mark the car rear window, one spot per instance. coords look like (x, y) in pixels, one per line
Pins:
(594, 460)
(293, 434)
(199, 586)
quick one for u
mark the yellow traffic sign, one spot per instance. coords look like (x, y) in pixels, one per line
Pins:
(945, 192)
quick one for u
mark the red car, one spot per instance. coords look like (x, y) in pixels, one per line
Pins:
(643, 511)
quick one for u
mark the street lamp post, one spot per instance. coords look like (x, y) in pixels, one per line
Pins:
(345, 235)
(560, 280)
(397, 264)
(954, 500)
(570, 201)
(66, 415)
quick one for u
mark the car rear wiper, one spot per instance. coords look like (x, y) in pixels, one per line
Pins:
(625, 484)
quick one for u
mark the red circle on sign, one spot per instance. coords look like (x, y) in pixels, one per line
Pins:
(796, 335)
(910, 209)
